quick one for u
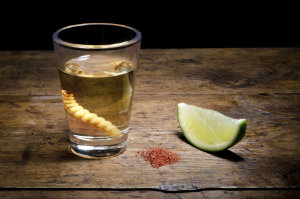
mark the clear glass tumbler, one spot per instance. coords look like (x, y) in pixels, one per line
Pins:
(96, 65)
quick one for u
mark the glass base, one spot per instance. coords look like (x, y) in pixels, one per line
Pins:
(97, 147)
(97, 152)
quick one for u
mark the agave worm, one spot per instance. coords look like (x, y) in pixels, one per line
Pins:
(86, 116)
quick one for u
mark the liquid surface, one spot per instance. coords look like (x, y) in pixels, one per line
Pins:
(103, 85)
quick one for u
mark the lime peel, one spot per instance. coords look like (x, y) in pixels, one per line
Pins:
(209, 130)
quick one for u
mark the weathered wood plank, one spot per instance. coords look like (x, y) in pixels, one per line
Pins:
(96, 194)
(180, 71)
(261, 85)
(220, 71)
(33, 146)
(28, 73)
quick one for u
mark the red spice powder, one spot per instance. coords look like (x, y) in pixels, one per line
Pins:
(159, 157)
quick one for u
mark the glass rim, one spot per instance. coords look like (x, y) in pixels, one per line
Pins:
(130, 42)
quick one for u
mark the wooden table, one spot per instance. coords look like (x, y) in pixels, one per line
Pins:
(259, 84)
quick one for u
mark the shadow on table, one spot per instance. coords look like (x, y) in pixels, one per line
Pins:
(226, 154)
(229, 155)
(51, 152)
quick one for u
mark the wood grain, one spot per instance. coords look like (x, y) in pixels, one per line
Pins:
(126, 194)
(173, 71)
(265, 158)
(261, 85)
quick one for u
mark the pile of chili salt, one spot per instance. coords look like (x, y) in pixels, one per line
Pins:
(159, 157)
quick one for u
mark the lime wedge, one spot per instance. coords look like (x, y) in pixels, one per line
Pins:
(209, 130)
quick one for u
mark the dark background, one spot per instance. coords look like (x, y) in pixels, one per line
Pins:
(172, 25)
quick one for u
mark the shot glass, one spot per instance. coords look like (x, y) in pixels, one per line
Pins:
(96, 66)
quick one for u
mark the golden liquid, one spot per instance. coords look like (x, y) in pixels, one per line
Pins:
(102, 85)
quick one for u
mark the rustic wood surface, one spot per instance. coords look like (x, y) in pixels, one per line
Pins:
(261, 85)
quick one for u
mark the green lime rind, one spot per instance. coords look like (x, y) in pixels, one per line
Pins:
(238, 134)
